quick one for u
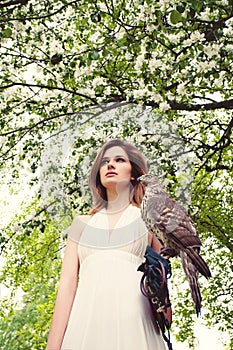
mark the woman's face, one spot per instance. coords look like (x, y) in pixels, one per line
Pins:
(115, 168)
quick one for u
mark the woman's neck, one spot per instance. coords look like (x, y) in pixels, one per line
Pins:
(117, 203)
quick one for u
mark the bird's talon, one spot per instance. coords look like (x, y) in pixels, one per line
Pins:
(167, 252)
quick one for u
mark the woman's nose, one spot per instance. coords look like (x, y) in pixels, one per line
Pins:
(110, 164)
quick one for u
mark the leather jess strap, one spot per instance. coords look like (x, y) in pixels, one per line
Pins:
(156, 270)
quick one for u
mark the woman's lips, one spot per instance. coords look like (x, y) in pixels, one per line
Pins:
(110, 173)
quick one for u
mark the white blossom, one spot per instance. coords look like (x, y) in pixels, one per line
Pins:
(205, 66)
(194, 37)
(229, 47)
(103, 7)
(229, 22)
(205, 15)
(151, 27)
(82, 71)
(181, 89)
(55, 46)
(225, 2)
(154, 63)
(164, 106)
(3, 139)
(156, 97)
(139, 93)
(139, 62)
(19, 26)
(87, 91)
(187, 42)
(107, 90)
(228, 31)
(128, 56)
(120, 34)
(10, 91)
(175, 38)
(197, 36)
(164, 4)
(142, 13)
(97, 82)
(96, 37)
(211, 50)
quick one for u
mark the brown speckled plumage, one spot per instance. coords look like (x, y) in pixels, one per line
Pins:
(171, 224)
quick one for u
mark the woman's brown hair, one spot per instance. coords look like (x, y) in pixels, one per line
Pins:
(139, 167)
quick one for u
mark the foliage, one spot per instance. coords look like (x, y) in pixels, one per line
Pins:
(59, 59)
(26, 326)
(31, 274)
(77, 73)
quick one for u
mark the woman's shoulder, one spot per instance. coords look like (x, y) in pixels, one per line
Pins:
(82, 218)
(77, 227)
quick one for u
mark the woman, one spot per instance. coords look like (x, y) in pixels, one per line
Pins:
(107, 311)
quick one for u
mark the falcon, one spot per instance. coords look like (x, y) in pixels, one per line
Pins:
(170, 223)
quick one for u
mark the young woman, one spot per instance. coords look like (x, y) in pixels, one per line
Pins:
(104, 308)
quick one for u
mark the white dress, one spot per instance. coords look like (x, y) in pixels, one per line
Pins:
(109, 311)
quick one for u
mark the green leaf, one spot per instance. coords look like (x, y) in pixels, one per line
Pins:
(122, 42)
(197, 5)
(181, 7)
(7, 33)
(175, 17)
(94, 56)
(96, 17)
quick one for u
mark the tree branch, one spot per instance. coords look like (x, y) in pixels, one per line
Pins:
(228, 104)
(36, 17)
(28, 128)
(14, 2)
(175, 106)
(49, 87)
(25, 224)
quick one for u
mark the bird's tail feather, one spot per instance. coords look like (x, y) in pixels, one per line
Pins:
(192, 276)
(199, 262)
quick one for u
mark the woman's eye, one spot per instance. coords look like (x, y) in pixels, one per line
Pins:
(104, 161)
(120, 160)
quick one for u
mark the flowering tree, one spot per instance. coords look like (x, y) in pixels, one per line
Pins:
(70, 55)
(76, 73)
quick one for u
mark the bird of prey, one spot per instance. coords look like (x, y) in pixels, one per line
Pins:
(170, 223)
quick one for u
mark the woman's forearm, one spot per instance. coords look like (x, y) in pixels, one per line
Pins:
(63, 305)
(65, 296)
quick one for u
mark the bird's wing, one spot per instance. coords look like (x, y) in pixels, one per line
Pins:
(172, 219)
(192, 275)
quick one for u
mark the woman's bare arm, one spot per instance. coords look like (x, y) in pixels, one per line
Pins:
(67, 285)
(65, 296)
(154, 242)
